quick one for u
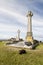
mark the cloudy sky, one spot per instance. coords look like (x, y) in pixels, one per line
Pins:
(13, 17)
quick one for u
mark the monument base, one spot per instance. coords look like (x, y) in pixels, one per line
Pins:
(29, 39)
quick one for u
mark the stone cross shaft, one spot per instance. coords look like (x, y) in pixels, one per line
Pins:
(18, 34)
(29, 25)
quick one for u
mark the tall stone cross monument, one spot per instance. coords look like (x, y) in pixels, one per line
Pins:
(29, 37)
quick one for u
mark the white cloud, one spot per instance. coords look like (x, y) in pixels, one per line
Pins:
(11, 28)
(8, 31)
(6, 8)
(14, 14)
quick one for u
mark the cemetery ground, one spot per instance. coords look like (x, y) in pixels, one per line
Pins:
(10, 55)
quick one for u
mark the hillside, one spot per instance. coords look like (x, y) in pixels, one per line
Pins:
(10, 56)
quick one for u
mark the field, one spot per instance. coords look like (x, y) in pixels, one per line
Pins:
(10, 56)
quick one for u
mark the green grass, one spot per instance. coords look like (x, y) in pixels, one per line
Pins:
(1, 43)
(11, 56)
(40, 47)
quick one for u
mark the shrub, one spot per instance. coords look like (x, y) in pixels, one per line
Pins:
(22, 51)
(35, 41)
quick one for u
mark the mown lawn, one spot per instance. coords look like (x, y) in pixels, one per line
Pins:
(10, 56)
